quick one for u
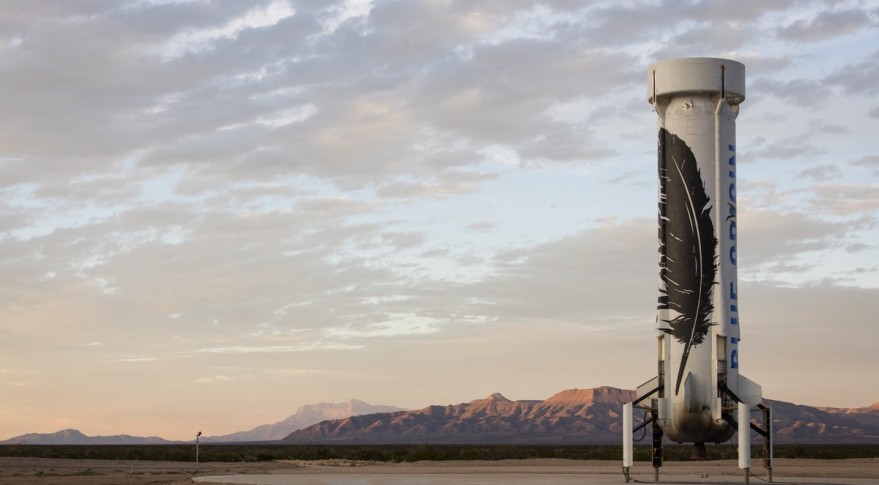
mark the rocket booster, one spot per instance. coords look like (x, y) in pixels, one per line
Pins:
(698, 395)
(697, 322)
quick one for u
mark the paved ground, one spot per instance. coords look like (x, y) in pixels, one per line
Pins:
(557, 472)
(26, 471)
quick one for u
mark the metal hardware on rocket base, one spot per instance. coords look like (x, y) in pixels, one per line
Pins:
(698, 395)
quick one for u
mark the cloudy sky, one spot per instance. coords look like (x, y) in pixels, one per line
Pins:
(214, 212)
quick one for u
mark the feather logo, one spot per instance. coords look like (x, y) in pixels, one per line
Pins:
(687, 246)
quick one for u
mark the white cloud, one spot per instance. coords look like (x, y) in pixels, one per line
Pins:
(197, 40)
(134, 359)
(390, 325)
(305, 347)
(348, 10)
(287, 116)
(826, 24)
(216, 378)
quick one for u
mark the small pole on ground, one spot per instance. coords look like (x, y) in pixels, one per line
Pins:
(196, 451)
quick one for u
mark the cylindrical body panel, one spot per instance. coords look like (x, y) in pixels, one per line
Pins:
(696, 101)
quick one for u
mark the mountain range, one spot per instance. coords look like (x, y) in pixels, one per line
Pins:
(304, 417)
(74, 437)
(575, 416)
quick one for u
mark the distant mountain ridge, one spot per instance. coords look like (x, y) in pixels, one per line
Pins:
(572, 416)
(576, 416)
(581, 416)
(305, 416)
(806, 424)
(74, 437)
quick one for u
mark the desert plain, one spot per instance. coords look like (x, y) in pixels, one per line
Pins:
(23, 471)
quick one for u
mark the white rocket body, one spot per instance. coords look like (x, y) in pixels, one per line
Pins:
(698, 326)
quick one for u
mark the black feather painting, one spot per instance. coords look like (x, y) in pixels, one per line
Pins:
(687, 246)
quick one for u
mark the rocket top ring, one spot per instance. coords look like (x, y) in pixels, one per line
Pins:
(697, 75)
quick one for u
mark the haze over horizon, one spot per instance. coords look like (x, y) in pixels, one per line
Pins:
(215, 212)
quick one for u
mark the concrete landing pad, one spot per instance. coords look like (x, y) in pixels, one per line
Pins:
(554, 472)
(494, 479)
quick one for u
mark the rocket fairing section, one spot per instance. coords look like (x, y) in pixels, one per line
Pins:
(698, 389)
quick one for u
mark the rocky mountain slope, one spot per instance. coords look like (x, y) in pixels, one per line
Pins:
(305, 416)
(806, 424)
(577, 415)
(573, 416)
(868, 416)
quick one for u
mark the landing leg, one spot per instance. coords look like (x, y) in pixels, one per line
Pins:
(744, 422)
(767, 440)
(657, 446)
(628, 445)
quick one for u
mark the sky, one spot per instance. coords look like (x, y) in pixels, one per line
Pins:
(215, 212)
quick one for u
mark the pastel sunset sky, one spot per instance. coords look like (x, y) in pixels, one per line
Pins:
(214, 212)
